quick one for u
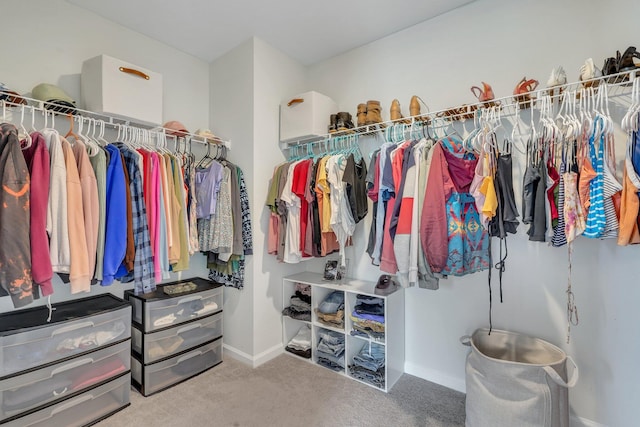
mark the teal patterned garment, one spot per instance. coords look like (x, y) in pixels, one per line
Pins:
(468, 239)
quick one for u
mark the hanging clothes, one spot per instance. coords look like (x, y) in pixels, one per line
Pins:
(452, 237)
(143, 268)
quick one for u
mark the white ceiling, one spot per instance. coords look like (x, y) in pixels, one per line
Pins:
(309, 31)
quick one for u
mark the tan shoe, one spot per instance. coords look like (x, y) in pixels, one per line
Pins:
(414, 107)
(362, 115)
(395, 113)
(373, 113)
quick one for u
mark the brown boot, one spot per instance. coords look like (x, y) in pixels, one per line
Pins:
(373, 113)
(395, 113)
(333, 123)
(414, 106)
(362, 115)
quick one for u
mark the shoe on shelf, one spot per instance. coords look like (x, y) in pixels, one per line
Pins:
(626, 62)
(522, 91)
(333, 123)
(558, 77)
(395, 112)
(589, 71)
(485, 94)
(344, 121)
(362, 114)
(611, 66)
(414, 106)
(373, 113)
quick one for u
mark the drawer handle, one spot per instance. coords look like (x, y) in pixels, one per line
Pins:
(189, 327)
(70, 328)
(72, 403)
(72, 365)
(189, 356)
(189, 299)
(295, 101)
(135, 72)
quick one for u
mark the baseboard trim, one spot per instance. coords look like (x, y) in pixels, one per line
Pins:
(267, 355)
(435, 377)
(238, 355)
(584, 422)
(253, 361)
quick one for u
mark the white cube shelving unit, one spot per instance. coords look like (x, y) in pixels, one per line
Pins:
(393, 313)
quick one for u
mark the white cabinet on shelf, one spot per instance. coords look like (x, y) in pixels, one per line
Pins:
(390, 341)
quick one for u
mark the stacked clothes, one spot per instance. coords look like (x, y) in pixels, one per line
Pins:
(331, 310)
(368, 317)
(330, 350)
(368, 365)
(301, 343)
(300, 307)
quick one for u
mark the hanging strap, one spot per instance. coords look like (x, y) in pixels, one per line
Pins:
(489, 282)
(575, 374)
(572, 310)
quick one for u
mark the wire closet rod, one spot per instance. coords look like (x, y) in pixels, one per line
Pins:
(113, 121)
(509, 101)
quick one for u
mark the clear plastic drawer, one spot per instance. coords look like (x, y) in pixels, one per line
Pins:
(83, 409)
(163, 313)
(48, 344)
(162, 344)
(21, 393)
(158, 376)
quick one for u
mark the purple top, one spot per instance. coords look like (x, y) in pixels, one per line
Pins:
(207, 187)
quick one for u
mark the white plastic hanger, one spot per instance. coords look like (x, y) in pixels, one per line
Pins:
(23, 134)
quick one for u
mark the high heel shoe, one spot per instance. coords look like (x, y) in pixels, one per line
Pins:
(522, 90)
(589, 71)
(485, 94)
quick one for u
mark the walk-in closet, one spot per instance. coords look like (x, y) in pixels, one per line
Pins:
(289, 214)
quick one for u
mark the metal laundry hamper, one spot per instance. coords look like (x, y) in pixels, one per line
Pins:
(516, 380)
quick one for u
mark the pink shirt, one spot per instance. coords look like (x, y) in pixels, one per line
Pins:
(155, 214)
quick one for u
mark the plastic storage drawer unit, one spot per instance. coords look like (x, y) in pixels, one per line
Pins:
(165, 343)
(87, 408)
(157, 310)
(159, 376)
(27, 340)
(39, 387)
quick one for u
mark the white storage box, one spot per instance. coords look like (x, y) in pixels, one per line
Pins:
(305, 116)
(117, 88)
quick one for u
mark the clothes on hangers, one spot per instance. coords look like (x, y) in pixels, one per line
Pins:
(223, 220)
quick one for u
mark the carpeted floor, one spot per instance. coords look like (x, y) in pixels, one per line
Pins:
(291, 392)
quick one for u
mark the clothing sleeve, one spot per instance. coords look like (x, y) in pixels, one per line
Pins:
(433, 223)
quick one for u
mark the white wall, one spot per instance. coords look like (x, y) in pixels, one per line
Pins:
(47, 41)
(232, 118)
(276, 77)
(500, 41)
(247, 85)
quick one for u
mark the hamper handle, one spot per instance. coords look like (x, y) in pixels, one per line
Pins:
(465, 340)
(558, 379)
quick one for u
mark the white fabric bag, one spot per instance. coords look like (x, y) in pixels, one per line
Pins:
(516, 380)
